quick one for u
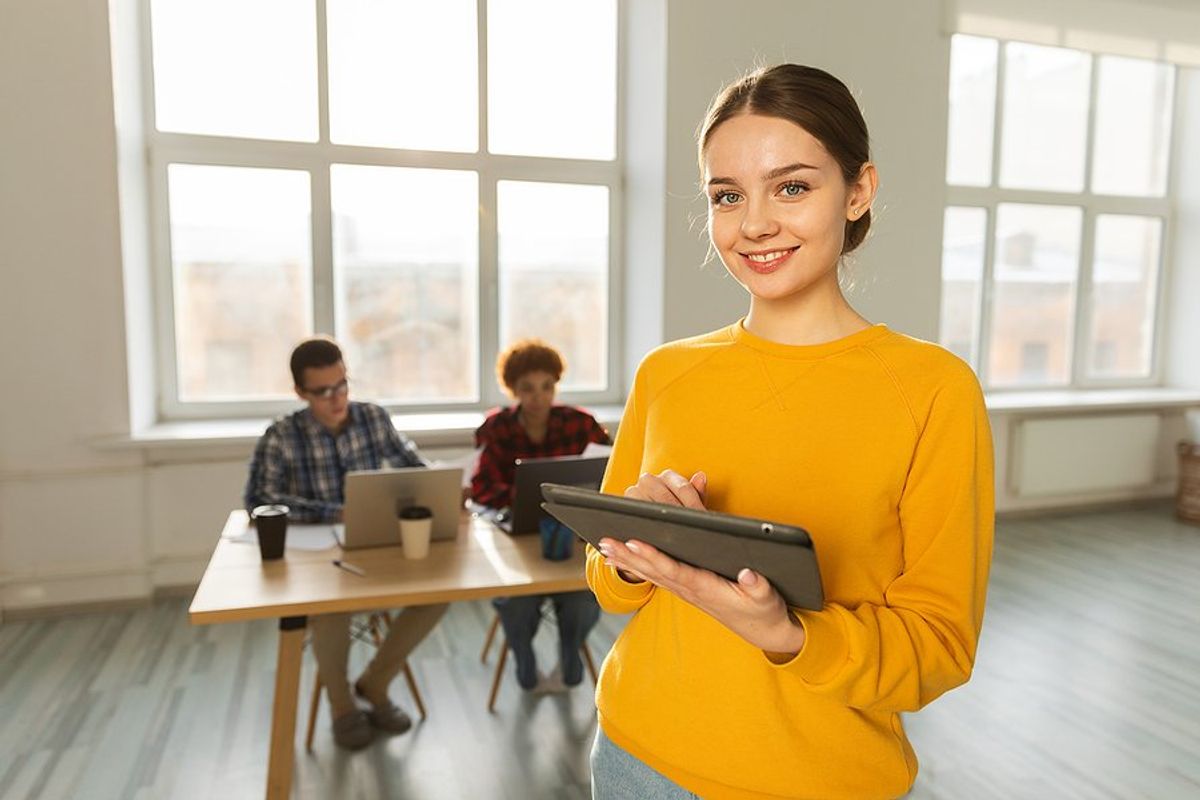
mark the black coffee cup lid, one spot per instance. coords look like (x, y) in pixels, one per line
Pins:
(415, 512)
(270, 510)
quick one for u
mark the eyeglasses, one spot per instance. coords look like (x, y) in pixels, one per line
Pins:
(329, 392)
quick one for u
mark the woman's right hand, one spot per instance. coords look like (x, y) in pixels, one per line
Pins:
(668, 487)
(671, 488)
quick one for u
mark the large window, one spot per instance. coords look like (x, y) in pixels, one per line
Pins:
(426, 181)
(1052, 256)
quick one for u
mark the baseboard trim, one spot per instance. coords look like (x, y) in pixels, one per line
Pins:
(74, 591)
(29, 613)
(1086, 508)
(174, 591)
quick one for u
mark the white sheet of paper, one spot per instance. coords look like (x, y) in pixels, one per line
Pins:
(465, 462)
(300, 536)
(594, 449)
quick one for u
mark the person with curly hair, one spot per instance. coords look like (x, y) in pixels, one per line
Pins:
(535, 427)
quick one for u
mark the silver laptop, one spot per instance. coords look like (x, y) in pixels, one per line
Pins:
(374, 496)
(585, 472)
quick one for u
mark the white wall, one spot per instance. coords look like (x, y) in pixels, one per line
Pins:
(65, 508)
(79, 522)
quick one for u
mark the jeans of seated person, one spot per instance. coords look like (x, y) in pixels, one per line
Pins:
(577, 613)
(617, 775)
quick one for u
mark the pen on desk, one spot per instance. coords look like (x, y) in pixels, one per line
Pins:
(359, 571)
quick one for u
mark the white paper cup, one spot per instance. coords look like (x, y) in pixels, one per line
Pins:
(414, 536)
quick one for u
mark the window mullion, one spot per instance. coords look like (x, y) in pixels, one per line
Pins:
(323, 298)
(1166, 250)
(1083, 286)
(488, 302)
(489, 285)
(983, 337)
(163, 287)
(1083, 297)
(987, 287)
(322, 73)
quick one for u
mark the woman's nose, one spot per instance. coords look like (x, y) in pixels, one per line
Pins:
(759, 220)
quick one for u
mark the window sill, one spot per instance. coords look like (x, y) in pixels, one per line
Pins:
(450, 430)
(1072, 400)
(429, 431)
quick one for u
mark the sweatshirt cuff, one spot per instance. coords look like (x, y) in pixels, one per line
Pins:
(623, 589)
(615, 595)
(824, 651)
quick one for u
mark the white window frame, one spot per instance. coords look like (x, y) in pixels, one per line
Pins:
(165, 148)
(990, 197)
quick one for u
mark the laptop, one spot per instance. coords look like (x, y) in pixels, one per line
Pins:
(526, 512)
(374, 496)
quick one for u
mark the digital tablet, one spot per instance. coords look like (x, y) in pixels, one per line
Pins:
(722, 543)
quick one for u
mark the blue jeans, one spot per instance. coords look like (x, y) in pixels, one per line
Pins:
(616, 775)
(577, 613)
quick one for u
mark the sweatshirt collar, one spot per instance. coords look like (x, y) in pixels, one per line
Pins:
(741, 336)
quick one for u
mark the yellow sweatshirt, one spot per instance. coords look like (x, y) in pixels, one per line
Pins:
(878, 445)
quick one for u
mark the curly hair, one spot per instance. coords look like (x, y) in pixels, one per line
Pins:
(525, 356)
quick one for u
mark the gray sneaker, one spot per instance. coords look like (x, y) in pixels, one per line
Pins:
(352, 730)
(386, 716)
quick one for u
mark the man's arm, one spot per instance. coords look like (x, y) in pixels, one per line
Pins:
(268, 483)
(398, 448)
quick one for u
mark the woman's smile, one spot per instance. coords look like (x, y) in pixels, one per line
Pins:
(766, 262)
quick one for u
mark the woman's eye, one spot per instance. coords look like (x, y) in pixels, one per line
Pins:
(793, 189)
(725, 198)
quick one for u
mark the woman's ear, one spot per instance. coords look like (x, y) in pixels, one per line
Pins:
(861, 192)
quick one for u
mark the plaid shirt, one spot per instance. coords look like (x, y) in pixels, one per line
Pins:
(299, 463)
(504, 440)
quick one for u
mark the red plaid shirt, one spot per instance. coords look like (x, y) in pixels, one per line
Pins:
(504, 440)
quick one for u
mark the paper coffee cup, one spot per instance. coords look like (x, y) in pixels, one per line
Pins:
(271, 521)
(416, 528)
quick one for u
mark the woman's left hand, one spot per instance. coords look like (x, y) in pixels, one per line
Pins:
(749, 606)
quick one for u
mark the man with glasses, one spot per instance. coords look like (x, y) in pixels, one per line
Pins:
(301, 461)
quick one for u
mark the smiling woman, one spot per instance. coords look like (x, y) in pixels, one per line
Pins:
(805, 413)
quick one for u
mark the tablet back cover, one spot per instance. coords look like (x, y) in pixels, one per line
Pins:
(791, 568)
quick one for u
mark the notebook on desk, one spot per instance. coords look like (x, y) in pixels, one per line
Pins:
(526, 511)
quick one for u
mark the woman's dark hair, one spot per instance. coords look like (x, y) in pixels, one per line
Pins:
(811, 98)
(319, 351)
(528, 355)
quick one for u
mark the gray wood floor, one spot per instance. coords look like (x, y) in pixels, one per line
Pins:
(1087, 685)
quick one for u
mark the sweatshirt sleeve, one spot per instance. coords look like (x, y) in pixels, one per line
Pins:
(624, 466)
(920, 643)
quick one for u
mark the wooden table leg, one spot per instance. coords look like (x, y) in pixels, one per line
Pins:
(283, 715)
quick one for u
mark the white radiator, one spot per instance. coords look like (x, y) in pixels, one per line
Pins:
(1066, 455)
